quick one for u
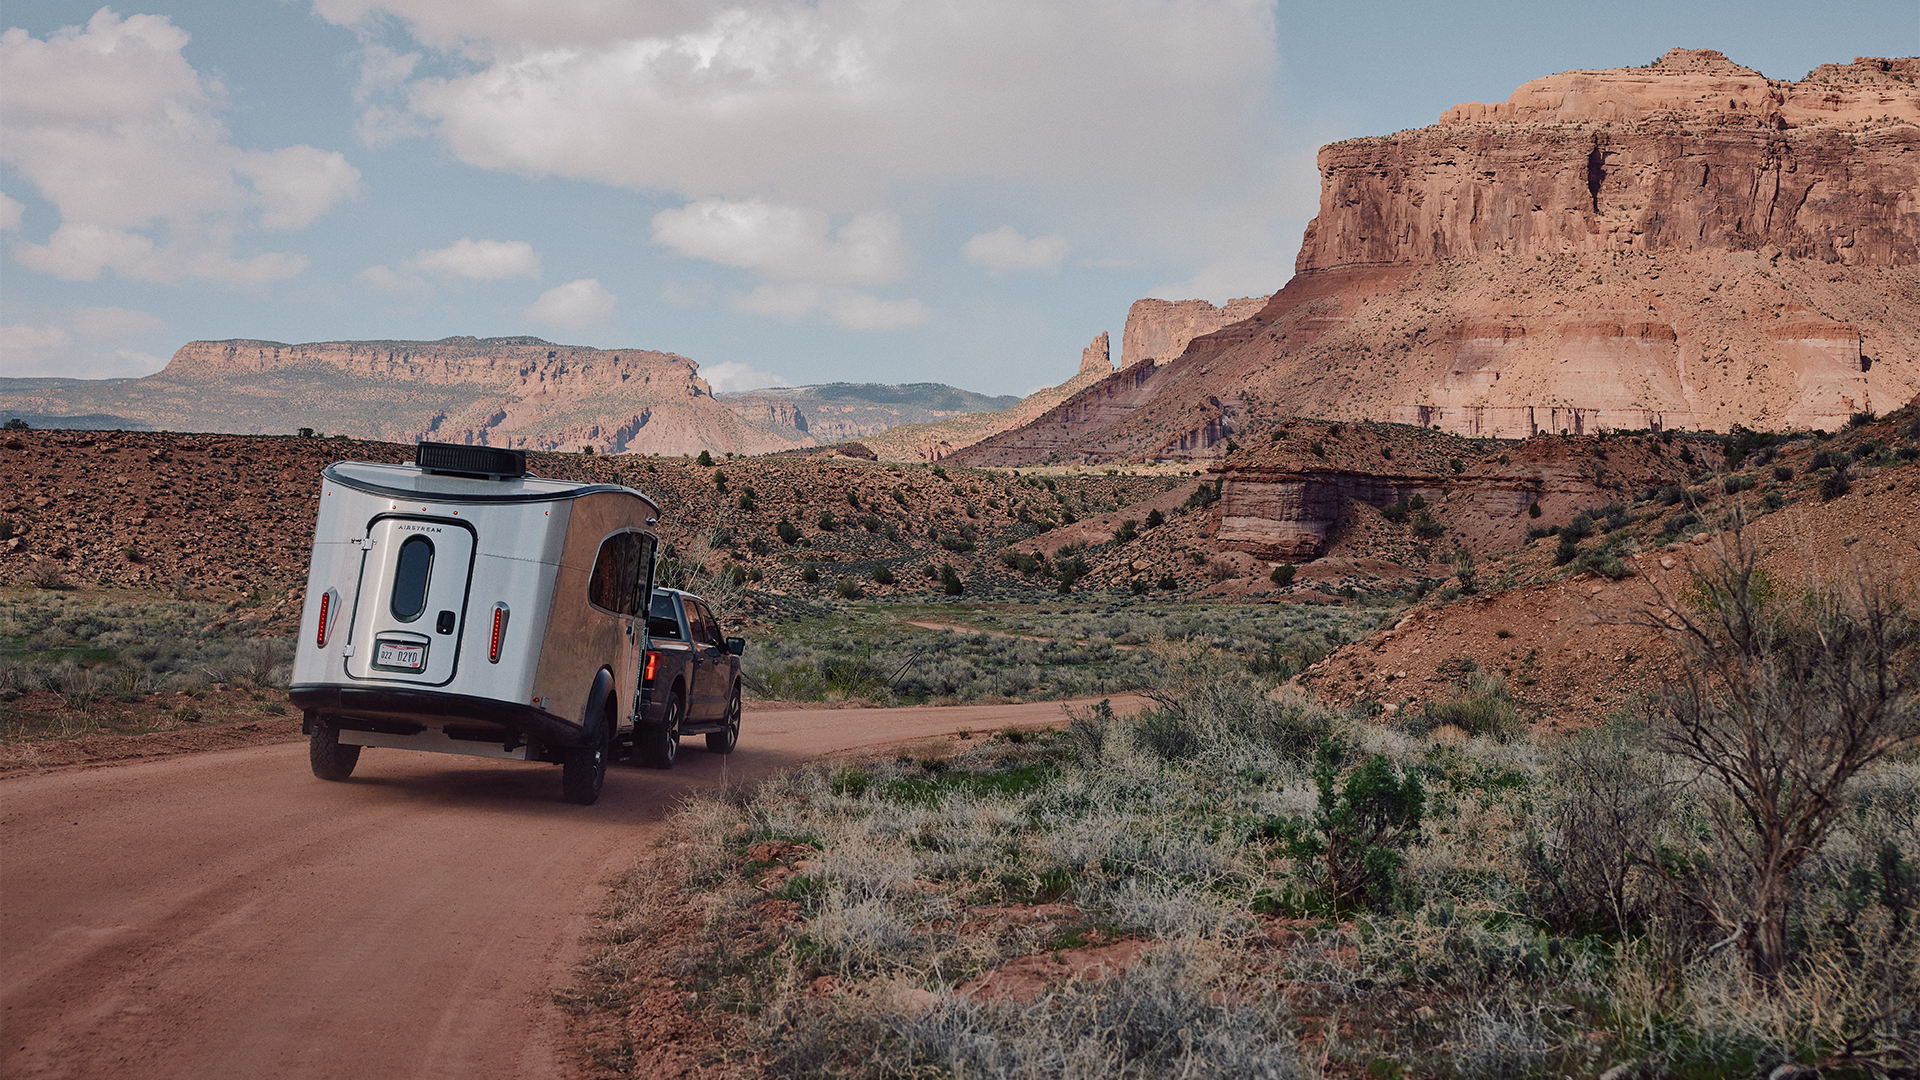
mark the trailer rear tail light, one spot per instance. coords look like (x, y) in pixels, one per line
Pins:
(653, 660)
(499, 636)
(329, 605)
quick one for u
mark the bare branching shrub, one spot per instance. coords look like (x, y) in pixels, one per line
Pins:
(1782, 698)
(1583, 871)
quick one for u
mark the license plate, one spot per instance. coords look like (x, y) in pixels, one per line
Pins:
(398, 655)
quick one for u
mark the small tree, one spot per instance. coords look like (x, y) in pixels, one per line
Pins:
(950, 582)
(1283, 574)
(1781, 698)
(704, 459)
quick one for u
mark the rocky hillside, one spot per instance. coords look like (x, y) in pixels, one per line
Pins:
(519, 392)
(1684, 246)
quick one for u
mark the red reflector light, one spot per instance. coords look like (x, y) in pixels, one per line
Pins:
(499, 634)
(326, 609)
(653, 658)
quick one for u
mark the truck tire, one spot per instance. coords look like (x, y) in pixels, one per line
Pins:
(658, 744)
(724, 740)
(585, 770)
(330, 759)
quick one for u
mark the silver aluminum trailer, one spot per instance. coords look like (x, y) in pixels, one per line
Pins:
(461, 606)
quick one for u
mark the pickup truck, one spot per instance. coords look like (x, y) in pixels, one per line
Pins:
(689, 682)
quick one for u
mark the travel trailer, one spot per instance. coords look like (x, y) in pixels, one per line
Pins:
(459, 605)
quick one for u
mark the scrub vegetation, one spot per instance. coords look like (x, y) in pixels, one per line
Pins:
(77, 664)
(903, 653)
(1247, 884)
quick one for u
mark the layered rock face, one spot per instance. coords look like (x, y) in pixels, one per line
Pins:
(1285, 502)
(1695, 153)
(514, 392)
(1684, 246)
(1159, 330)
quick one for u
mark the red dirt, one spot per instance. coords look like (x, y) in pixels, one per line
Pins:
(225, 914)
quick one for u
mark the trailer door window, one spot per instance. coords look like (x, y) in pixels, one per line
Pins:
(410, 576)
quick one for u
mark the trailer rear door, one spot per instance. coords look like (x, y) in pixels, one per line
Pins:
(412, 604)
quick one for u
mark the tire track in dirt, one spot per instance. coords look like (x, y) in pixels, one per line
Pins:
(225, 914)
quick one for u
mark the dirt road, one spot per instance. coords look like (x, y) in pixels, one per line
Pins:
(227, 915)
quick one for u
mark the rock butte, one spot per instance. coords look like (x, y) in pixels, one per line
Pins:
(1687, 245)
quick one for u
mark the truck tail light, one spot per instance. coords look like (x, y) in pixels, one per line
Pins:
(498, 638)
(329, 603)
(653, 660)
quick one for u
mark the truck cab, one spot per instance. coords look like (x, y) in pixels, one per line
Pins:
(690, 680)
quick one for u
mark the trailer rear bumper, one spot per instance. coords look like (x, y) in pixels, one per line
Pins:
(404, 714)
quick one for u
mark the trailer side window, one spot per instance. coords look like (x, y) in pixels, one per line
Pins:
(414, 567)
(622, 573)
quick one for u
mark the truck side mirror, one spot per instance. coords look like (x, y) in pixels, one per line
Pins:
(736, 645)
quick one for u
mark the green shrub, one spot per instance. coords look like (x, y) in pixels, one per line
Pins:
(950, 582)
(1126, 532)
(1283, 574)
(1568, 551)
(826, 522)
(705, 459)
(848, 589)
(883, 576)
(810, 575)
(1155, 519)
(1783, 473)
(789, 532)
(1426, 528)
(1354, 845)
(1533, 509)
(1319, 449)
(1835, 485)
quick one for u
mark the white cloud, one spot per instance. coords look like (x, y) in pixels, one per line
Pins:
(793, 301)
(10, 212)
(297, 184)
(113, 127)
(82, 343)
(787, 243)
(573, 306)
(837, 102)
(1004, 250)
(858, 311)
(480, 260)
(387, 281)
(731, 377)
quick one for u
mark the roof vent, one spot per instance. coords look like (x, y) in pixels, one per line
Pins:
(479, 462)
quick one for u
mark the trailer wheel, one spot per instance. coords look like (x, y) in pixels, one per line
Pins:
(585, 770)
(330, 759)
(724, 740)
(659, 743)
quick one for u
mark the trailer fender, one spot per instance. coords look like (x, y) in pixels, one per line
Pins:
(597, 714)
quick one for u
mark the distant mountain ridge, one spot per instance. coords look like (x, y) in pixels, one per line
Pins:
(519, 392)
(833, 412)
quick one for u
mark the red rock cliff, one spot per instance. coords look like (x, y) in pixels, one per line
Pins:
(1693, 153)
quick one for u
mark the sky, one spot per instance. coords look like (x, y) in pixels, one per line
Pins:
(785, 192)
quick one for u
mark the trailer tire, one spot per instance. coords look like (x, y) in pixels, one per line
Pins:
(585, 771)
(659, 744)
(724, 740)
(330, 759)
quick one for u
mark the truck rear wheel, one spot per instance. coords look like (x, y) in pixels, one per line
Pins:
(724, 740)
(658, 744)
(330, 759)
(585, 770)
